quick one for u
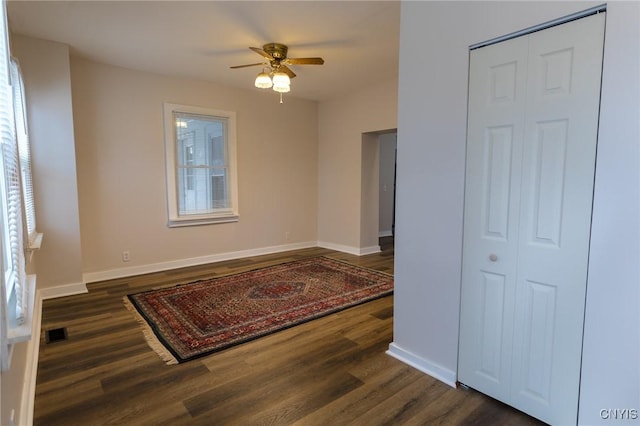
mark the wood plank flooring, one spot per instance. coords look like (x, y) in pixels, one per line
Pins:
(331, 371)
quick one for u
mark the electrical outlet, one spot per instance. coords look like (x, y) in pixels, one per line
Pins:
(286, 236)
(12, 418)
(126, 256)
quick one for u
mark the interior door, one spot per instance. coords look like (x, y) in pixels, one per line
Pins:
(532, 132)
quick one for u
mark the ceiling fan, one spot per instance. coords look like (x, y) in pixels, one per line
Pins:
(276, 72)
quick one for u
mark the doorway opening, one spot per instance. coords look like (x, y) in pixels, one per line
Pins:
(378, 183)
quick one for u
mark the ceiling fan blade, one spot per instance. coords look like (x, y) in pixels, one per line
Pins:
(262, 53)
(245, 66)
(304, 61)
(287, 71)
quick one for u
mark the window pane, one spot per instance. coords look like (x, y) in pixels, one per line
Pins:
(218, 156)
(201, 164)
(206, 136)
(219, 189)
(202, 190)
(186, 146)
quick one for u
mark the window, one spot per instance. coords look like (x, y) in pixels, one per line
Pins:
(17, 214)
(201, 165)
(11, 190)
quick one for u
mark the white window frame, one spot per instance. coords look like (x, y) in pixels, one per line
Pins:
(230, 214)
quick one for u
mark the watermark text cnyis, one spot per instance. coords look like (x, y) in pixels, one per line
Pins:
(619, 414)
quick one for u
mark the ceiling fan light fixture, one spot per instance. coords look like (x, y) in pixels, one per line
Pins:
(282, 89)
(275, 72)
(281, 82)
(263, 81)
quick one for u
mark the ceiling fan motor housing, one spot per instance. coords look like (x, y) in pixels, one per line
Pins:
(276, 50)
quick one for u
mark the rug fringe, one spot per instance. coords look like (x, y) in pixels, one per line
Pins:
(150, 336)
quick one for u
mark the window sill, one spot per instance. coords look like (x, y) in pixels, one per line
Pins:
(37, 241)
(178, 223)
(33, 246)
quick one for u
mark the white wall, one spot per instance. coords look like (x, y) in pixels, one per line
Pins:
(431, 156)
(342, 123)
(387, 180)
(118, 116)
(611, 351)
(369, 194)
(13, 385)
(47, 78)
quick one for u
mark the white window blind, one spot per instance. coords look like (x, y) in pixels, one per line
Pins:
(14, 272)
(24, 150)
(18, 289)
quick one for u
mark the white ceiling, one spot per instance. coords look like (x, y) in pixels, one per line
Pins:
(202, 39)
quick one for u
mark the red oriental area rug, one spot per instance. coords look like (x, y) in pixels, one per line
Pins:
(193, 320)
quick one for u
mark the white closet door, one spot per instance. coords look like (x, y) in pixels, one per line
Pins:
(492, 193)
(533, 114)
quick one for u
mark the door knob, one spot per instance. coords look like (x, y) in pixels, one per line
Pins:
(493, 257)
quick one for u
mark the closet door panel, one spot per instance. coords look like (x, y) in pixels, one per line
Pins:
(492, 192)
(559, 151)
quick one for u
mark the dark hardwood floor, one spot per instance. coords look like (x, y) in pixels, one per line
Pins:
(330, 371)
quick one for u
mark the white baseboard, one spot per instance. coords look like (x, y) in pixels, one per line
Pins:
(339, 247)
(31, 365)
(62, 290)
(357, 251)
(368, 250)
(444, 375)
(91, 277)
(388, 233)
